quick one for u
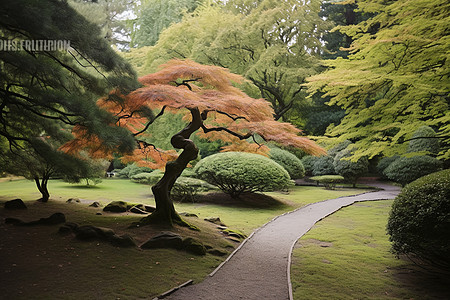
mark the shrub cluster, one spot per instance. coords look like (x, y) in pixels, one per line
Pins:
(323, 165)
(350, 170)
(329, 181)
(187, 188)
(291, 163)
(237, 172)
(427, 143)
(407, 169)
(148, 178)
(130, 170)
(419, 223)
(308, 163)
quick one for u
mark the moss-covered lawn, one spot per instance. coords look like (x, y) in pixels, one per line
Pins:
(38, 263)
(346, 256)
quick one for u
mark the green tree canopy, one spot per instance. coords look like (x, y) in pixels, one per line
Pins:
(396, 78)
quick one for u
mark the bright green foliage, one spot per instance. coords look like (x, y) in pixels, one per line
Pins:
(396, 78)
(238, 172)
(329, 181)
(156, 15)
(291, 163)
(277, 50)
(351, 170)
(308, 163)
(407, 169)
(423, 140)
(186, 188)
(323, 165)
(419, 223)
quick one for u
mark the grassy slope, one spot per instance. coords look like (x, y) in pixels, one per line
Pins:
(40, 264)
(346, 256)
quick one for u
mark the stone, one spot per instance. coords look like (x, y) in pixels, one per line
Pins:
(165, 239)
(15, 204)
(56, 218)
(99, 214)
(68, 227)
(125, 240)
(95, 204)
(14, 221)
(215, 220)
(217, 252)
(186, 214)
(193, 246)
(88, 232)
(137, 210)
(116, 206)
(73, 200)
(233, 239)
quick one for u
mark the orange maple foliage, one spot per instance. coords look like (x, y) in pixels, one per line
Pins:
(229, 114)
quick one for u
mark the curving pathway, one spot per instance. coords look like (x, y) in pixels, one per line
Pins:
(260, 267)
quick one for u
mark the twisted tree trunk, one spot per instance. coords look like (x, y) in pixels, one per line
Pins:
(165, 211)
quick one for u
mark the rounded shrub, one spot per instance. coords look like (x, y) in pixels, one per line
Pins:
(424, 139)
(187, 188)
(350, 170)
(238, 172)
(132, 169)
(291, 163)
(323, 165)
(384, 163)
(148, 178)
(328, 181)
(407, 169)
(419, 222)
(308, 163)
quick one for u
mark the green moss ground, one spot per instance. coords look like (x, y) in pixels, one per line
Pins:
(346, 256)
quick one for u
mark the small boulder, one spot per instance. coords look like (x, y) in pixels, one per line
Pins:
(68, 227)
(122, 241)
(164, 239)
(215, 220)
(88, 232)
(73, 200)
(56, 218)
(137, 210)
(116, 206)
(95, 204)
(14, 221)
(186, 214)
(193, 246)
(15, 204)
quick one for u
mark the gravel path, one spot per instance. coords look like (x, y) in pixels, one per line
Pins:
(260, 267)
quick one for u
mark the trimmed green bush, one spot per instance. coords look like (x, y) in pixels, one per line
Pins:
(329, 181)
(384, 163)
(186, 188)
(131, 170)
(237, 172)
(148, 178)
(350, 170)
(407, 169)
(428, 143)
(308, 163)
(291, 163)
(419, 223)
(323, 165)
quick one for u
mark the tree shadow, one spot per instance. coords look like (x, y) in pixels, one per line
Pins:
(248, 200)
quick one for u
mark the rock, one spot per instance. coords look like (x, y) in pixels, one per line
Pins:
(137, 210)
(122, 241)
(193, 246)
(99, 214)
(165, 239)
(186, 214)
(95, 204)
(116, 206)
(68, 227)
(215, 220)
(217, 252)
(234, 233)
(73, 200)
(221, 228)
(233, 239)
(15, 204)
(14, 221)
(88, 232)
(56, 218)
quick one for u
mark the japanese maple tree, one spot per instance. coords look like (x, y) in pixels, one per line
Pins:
(214, 108)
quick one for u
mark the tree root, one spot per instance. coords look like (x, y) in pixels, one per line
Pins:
(161, 219)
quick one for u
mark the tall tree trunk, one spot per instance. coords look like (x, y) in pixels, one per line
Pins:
(165, 211)
(42, 187)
